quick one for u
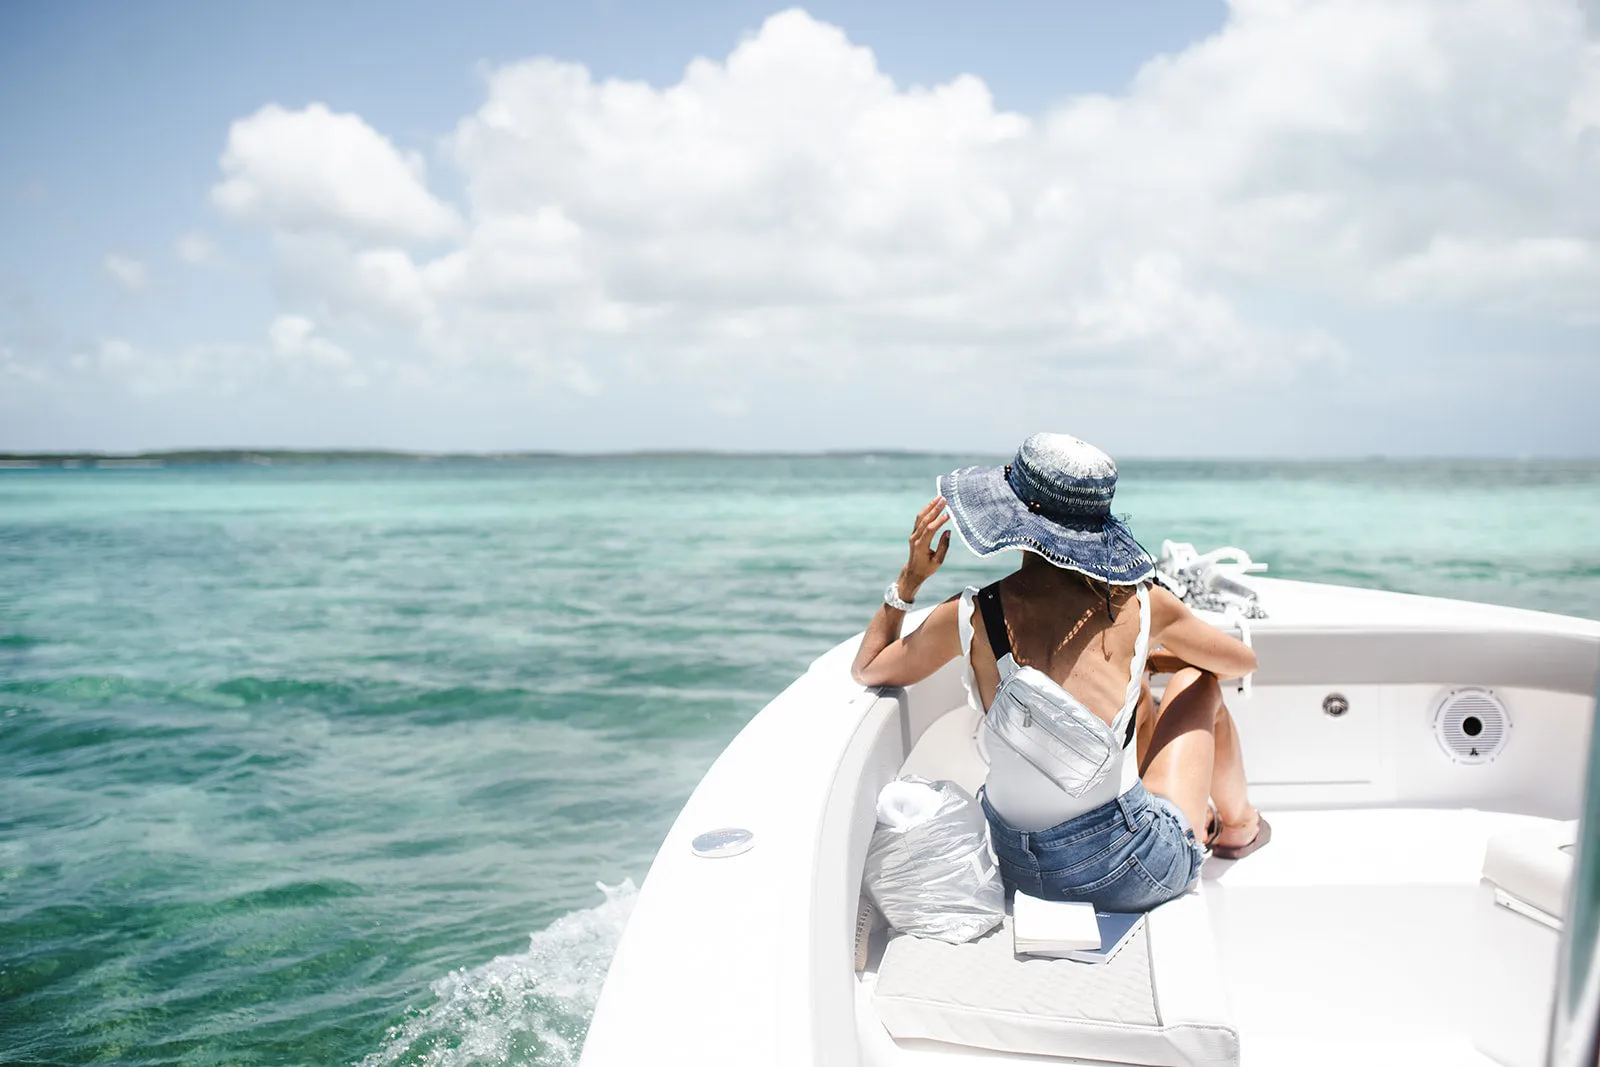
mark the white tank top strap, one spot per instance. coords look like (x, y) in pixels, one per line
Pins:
(1141, 651)
(969, 681)
(964, 620)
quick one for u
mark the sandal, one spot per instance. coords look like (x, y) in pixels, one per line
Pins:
(1236, 852)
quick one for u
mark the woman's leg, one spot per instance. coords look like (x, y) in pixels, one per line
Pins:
(1193, 756)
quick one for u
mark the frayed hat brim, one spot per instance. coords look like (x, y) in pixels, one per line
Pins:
(989, 518)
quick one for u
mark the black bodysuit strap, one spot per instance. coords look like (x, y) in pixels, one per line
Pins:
(994, 620)
(994, 624)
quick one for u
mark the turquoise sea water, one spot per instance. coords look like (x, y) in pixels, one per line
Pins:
(322, 764)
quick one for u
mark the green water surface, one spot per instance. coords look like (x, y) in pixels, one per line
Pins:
(322, 764)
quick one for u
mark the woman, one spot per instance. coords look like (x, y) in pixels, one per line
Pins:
(1056, 654)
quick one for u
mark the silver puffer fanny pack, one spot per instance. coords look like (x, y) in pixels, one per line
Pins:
(1065, 741)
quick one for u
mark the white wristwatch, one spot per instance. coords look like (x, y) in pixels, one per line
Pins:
(891, 597)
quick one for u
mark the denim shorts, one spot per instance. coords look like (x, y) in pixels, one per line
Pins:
(1129, 854)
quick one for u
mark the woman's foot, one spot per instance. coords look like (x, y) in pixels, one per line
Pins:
(1231, 841)
(1235, 835)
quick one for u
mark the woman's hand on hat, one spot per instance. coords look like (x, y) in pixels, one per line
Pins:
(925, 558)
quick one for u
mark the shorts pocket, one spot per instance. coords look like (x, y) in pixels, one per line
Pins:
(1107, 883)
(1167, 858)
(1174, 876)
(1078, 863)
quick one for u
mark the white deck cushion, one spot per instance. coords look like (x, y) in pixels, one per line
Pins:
(1158, 1002)
(1534, 865)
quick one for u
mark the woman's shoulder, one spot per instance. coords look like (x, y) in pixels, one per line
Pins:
(1165, 607)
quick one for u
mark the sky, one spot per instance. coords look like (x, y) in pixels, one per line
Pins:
(1176, 228)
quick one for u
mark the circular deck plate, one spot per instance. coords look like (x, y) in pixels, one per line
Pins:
(719, 844)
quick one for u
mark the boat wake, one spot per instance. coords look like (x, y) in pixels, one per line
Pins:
(530, 1008)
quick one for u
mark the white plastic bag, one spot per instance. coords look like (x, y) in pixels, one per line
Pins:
(928, 867)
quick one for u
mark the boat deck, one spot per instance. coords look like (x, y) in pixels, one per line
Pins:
(1351, 938)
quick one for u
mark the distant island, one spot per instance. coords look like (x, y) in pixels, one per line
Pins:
(266, 457)
(260, 456)
(1210, 466)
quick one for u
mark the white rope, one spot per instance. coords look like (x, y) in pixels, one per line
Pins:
(1201, 581)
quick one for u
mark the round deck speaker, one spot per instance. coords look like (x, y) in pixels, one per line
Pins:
(1472, 724)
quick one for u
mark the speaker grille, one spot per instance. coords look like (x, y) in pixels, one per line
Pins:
(1472, 724)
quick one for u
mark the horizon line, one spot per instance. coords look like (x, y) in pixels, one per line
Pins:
(260, 455)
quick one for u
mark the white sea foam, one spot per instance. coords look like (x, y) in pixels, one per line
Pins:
(531, 1008)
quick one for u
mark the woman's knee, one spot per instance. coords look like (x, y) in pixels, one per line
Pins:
(1202, 685)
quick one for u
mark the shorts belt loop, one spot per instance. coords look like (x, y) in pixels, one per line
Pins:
(1131, 804)
(1027, 841)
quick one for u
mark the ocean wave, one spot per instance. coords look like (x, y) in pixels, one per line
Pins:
(96, 690)
(531, 1008)
(361, 697)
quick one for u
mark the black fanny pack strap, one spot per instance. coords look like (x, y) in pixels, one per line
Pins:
(994, 620)
(1133, 718)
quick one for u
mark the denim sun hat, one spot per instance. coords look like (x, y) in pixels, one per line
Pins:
(1054, 498)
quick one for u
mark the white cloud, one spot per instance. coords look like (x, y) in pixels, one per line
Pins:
(295, 352)
(127, 272)
(1335, 147)
(212, 368)
(19, 371)
(297, 343)
(376, 285)
(315, 170)
(1513, 272)
(116, 353)
(580, 380)
(295, 337)
(791, 208)
(196, 249)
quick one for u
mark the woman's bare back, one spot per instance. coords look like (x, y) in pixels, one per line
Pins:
(1058, 624)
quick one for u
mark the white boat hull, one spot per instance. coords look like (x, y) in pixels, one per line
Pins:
(1353, 938)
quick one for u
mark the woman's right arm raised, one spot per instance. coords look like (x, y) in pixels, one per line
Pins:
(1174, 627)
(886, 658)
